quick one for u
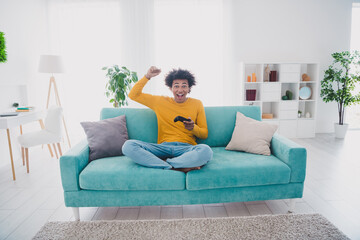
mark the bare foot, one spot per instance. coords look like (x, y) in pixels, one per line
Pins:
(185, 170)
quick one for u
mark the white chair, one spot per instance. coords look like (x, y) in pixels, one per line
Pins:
(51, 134)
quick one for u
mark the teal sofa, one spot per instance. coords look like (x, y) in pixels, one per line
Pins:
(230, 176)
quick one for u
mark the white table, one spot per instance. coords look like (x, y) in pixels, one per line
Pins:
(19, 120)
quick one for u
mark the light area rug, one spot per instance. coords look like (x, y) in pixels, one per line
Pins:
(289, 226)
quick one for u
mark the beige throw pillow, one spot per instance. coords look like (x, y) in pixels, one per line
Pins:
(251, 135)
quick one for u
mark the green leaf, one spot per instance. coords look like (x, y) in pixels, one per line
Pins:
(120, 81)
(127, 71)
(122, 75)
(134, 77)
(3, 53)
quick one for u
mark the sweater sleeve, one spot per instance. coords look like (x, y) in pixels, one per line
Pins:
(200, 129)
(137, 95)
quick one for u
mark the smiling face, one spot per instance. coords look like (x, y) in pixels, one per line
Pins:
(180, 88)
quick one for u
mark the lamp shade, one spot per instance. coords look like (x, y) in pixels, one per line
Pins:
(51, 64)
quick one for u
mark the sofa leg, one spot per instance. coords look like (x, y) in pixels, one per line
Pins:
(76, 213)
(292, 205)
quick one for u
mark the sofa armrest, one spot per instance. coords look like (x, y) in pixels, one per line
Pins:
(292, 154)
(72, 163)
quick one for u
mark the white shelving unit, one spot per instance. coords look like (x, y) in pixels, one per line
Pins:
(269, 95)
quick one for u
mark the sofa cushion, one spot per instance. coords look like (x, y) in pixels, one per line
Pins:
(142, 123)
(121, 173)
(221, 123)
(238, 169)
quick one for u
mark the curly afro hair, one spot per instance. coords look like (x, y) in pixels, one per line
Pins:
(180, 74)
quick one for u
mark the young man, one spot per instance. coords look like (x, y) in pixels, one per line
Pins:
(176, 148)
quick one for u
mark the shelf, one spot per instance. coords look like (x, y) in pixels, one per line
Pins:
(302, 82)
(290, 82)
(307, 100)
(304, 118)
(294, 100)
(13, 84)
(269, 120)
(269, 95)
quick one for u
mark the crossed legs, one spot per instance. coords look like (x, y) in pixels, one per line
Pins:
(172, 155)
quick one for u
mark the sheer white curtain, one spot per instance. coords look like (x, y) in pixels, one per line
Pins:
(353, 112)
(90, 34)
(189, 35)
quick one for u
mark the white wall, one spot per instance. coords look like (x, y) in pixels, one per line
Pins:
(294, 31)
(262, 30)
(24, 25)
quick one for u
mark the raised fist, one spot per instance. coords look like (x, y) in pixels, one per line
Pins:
(152, 72)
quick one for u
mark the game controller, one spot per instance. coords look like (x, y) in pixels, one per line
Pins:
(181, 119)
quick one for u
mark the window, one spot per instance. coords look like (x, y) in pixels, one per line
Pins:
(91, 34)
(88, 36)
(353, 112)
(189, 35)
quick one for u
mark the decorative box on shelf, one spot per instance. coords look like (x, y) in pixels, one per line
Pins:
(250, 94)
(289, 72)
(267, 116)
(270, 91)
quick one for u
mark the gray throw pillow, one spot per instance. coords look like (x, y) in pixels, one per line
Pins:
(106, 137)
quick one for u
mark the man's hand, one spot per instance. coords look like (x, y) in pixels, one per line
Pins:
(189, 125)
(152, 72)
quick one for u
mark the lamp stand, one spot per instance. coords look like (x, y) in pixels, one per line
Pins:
(58, 103)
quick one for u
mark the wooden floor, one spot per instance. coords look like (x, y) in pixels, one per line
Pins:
(332, 188)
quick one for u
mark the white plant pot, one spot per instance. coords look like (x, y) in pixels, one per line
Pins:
(340, 130)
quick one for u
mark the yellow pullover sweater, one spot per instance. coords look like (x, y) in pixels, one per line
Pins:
(167, 109)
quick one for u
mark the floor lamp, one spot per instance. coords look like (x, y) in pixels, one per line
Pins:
(53, 64)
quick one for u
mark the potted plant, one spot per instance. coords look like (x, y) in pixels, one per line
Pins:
(118, 85)
(3, 55)
(338, 85)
